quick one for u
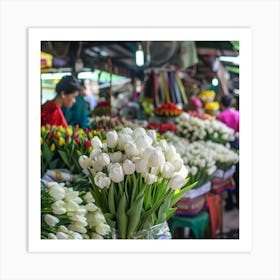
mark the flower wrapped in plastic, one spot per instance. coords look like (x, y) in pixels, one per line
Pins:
(70, 214)
(135, 179)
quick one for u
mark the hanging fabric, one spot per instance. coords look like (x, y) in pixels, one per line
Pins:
(181, 88)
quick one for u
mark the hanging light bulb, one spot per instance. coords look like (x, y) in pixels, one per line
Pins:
(139, 56)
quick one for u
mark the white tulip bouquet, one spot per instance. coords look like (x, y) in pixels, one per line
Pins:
(135, 179)
(70, 214)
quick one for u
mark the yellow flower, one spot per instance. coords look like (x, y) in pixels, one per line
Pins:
(58, 134)
(53, 147)
(43, 129)
(80, 131)
(42, 140)
(69, 130)
(61, 128)
(212, 106)
(90, 135)
(41, 153)
(61, 141)
(90, 148)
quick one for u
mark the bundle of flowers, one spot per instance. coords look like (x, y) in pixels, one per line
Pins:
(102, 108)
(224, 156)
(198, 159)
(163, 127)
(200, 115)
(195, 129)
(135, 180)
(168, 109)
(103, 122)
(203, 158)
(207, 95)
(70, 214)
(61, 147)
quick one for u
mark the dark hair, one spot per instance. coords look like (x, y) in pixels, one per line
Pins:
(226, 100)
(68, 84)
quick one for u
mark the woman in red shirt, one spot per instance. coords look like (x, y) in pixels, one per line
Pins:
(67, 89)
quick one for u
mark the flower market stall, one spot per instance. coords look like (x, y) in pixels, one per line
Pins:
(148, 166)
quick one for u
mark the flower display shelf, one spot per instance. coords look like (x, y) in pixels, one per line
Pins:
(194, 201)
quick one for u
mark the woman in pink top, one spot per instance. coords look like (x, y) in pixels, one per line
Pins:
(230, 117)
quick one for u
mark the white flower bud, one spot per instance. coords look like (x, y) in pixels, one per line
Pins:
(131, 149)
(101, 180)
(96, 142)
(112, 139)
(51, 236)
(61, 235)
(177, 182)
(116, 173)
(128, 167)
(84, 161)
(51, 220)
(103, 159)
(57, 191)
(167, 170)
(116, 157)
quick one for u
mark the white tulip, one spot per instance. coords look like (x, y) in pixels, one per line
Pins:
(96, 166)
(103, 159)
(150, 179)
(57, 191)
(95, 153)
(88, 197)
(77, 218)
(85, 236)
(96, 142)
(101, 180)
(122, 140)
(138, 131)
(51, 220)
(112, 139)
(71, 206)
(81, 223)
(81, 211)
(170, 152)
(156, 158)
(102, 229)
(153, 134)
(62, 235)
(141, 166)
(128, 167)
(116, 173)
(91, 207)
(116, 157)
(163, 144)
(177, 163)
(84, 161)
(193, 170)
(126, 130)
(76, 235)
(77, 228)
(143, 141)
(167, 170)
(131, 149)
(63, 229)
(184, 172)
(96, 236)
(51, 236)
(58, 207)
(176, 182)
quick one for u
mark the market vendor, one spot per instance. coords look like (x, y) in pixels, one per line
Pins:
(66, 91)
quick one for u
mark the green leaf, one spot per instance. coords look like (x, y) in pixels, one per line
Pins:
(134, 214)
(111, 198)
(170, 213)
(110, 219)
(47, 153)
(64, 158)
(183, 191)
(164, 208)
(122, 219)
